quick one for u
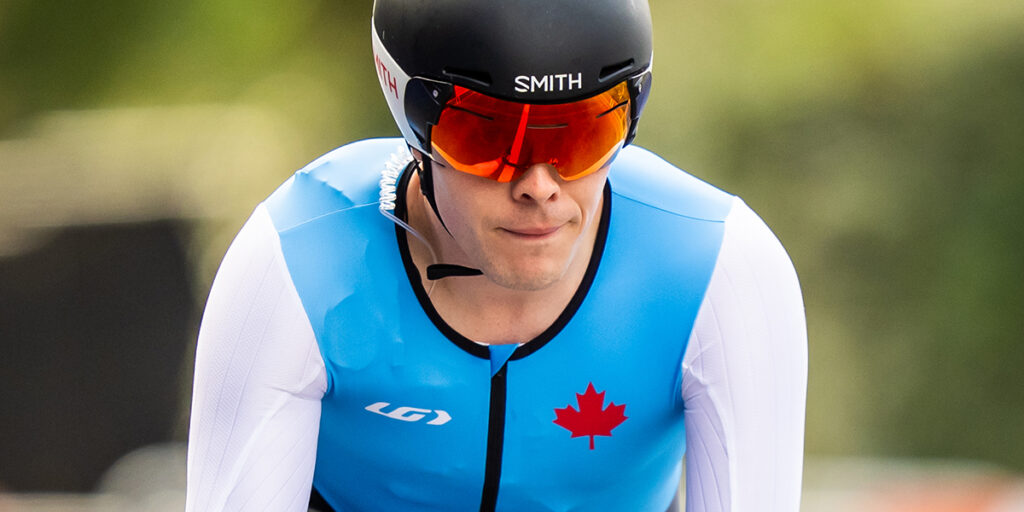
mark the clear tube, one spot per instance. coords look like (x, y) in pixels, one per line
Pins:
(389, 175)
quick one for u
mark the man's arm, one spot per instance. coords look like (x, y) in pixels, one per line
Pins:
(258, 383)
(745, 378)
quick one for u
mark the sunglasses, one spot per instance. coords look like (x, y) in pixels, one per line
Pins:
(499, 139)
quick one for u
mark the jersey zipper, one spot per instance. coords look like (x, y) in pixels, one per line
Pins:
(495, 440)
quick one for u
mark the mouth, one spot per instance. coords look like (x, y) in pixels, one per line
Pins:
(532, 232)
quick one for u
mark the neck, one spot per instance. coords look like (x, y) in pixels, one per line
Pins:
(477, 307)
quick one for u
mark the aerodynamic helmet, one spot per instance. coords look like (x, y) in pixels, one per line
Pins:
(528, 51)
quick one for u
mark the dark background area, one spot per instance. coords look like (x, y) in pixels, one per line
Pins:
(96, 323)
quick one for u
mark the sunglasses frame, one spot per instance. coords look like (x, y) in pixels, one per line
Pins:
(425, 98)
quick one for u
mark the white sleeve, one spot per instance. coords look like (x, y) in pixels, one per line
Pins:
(258, 383)
(745, 378)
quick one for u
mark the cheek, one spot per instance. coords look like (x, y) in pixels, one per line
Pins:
(589, 194)
(461, 204)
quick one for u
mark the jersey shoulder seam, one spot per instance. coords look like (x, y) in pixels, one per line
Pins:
(674, 213)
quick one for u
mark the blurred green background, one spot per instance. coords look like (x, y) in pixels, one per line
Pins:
(883, 141)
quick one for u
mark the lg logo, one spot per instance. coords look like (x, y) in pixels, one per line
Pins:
(410, 414)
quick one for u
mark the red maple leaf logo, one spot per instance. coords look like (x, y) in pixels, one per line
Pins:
(591, 420)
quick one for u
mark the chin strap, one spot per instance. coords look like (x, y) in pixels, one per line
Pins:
(426, 173)
(443, 270)
(439, 270)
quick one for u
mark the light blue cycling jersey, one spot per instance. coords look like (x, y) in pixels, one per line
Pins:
(587, 416)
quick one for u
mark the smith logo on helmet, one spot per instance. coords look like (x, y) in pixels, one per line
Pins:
(549, 83)
(386, 78)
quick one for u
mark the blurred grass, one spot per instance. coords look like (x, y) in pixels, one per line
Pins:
(881, 140)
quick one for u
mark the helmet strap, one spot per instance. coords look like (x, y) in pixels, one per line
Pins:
(426, 173)
(438, 270)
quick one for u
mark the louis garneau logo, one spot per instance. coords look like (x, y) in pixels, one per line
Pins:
(410, 414)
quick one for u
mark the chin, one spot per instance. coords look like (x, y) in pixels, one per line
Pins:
(526, 277)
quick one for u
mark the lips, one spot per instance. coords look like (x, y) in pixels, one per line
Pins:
(533, 232)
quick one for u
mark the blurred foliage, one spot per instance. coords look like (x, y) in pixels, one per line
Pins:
(881, 140)
(305, 58)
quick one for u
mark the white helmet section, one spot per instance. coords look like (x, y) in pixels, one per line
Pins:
(393, 81)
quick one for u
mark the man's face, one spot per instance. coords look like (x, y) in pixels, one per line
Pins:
(523, 234)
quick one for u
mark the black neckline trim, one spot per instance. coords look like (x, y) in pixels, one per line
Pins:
(465, 343)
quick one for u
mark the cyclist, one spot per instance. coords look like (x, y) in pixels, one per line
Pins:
(511, 308)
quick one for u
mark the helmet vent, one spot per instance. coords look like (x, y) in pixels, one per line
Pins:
(615, 70)
(480, 78)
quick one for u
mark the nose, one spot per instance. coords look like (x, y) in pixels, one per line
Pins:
(539, 183)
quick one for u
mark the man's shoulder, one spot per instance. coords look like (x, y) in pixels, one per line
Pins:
(644, 177)
(347, 177)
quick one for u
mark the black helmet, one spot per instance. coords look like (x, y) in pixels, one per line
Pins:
(534, 51)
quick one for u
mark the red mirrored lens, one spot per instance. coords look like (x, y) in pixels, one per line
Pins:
(500, 139)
